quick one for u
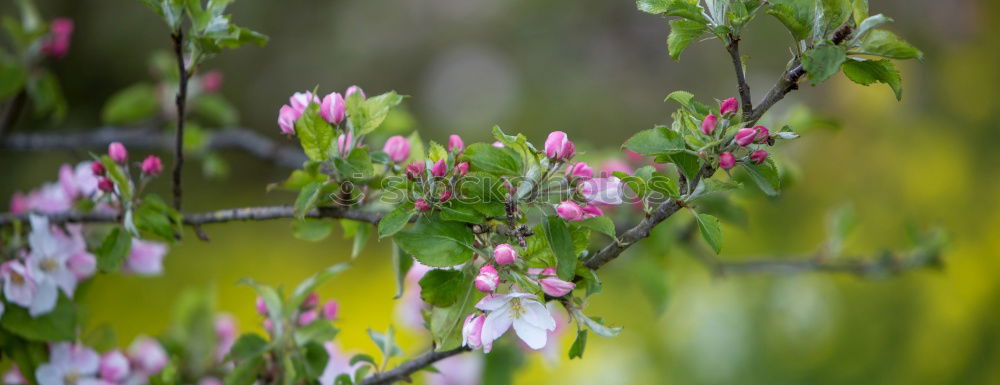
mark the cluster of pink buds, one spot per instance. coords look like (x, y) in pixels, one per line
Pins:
(333, 108)
(309, 311)
(488, 278)
(437, 181)
(151, 166)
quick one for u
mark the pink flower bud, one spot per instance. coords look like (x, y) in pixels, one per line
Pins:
(300, 101)
(579, 170)
(333, 109)
(472, 331)
(307, 317)
(311, 301)
(445, 196)
(82, 265)
(147, 355)
(97, 168)
(591, 211)
(569, 211)
(211, 81)
(330, 309)
(269, 325)
(152, 165)
(261, 306)
(57, 44)
(708, 125)
(556, 287)
(345, 143)
(462, 168)
(504, 254)
(745, 136)
(726, 160)
(488, 279)
(117, 152)
(106, 185)
(762, 134)
(113, 366)
(286, 119)
(421, 205)
(729, 106)
(497, 144)
(558, 146)
(440, 168)
(398, 148)
(455, 143)
(415, 170)
(758, 156)
(354, 90)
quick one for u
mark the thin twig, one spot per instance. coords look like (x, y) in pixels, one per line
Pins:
(147, 138)
(244, 214)
(746, 100)
(404, 370)
(181, 102)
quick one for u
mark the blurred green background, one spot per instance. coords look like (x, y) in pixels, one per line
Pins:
(599, 71)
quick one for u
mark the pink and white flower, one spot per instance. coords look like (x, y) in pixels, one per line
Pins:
(488, 279)
(48, 265)
(18, 285)
(114, 366)
(145, 258)
(69, 364)
(602, 191)
(147, 355)
(286, 119)
(529, 318)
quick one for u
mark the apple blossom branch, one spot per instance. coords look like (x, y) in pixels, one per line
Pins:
(181, 101)
(404, 370)
(236, 138)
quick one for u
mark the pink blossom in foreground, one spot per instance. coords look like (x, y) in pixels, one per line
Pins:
(333, 109)
(529, 318)
(455, 143)
(472, 331)
(421, 205)
(147, 355)
(300, 101)
(18, 285)
(745, 136)
(308, 317)
(762, 134)
(114, 366)
(556, 287)
(440, 168)
(488, 279)
(47, 265)
(286, 119)
(145, 258)
(69, 364)
(345, 143)
(558, 146)
(338, 363)
(603, 191)
(462, 168)
(152, 166)
(117, 152)
(13, 376)
(504, 254)
(573, 212)
(398, 148)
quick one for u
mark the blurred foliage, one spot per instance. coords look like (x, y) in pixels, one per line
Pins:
(600, 72)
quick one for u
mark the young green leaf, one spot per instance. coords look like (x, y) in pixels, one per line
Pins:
(765, 175)
(132, 104)
(442, 288)
(437, 243)
(313, 230)
(598, 327)
(579, 344)
(682, 33)
(307, 286)
(401, 264)
(248, 346)
(711, 231)
(603, 225)
(500, 161)
(865, 72)
(886, 44)
(823, 61)
(113, 250)
(561, 243)
(656, 141)
(395, 220)
(58, 325)
(307, 199)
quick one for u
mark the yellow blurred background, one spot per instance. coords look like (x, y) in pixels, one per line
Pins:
(599, 71)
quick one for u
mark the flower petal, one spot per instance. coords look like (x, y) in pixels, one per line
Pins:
(45, 299)
(493, 302)
(537, 315)
(534, 337)
(497, 323)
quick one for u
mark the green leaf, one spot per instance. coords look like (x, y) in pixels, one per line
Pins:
(358, 358)
(682, 33)
(796, 15)
(155, 217)
(482, 187)
(860, 9)
(445, 324)
(689, 165)
(401, 264)
(313, 230)
(823, 61)
(711, 231)
(596, 326)
(357, 165)
(360, 239)
(248, 346)
(485, 157)
(57, 325)
(603, 225)
(886, 44)
(273, 301)
(315, 135)
(314, 359)
(656, 141)
(118, 176)
(307, 199)
(386, 343)
(442, 288)
(765, 175)
(307, 286)
(865, 72)
(245, 373)
(460, 212)
(318, 331)
(680, 8)
(215, 110)
(132, 104)
(113, 250)
(579, 344)
(870, 23)
(663, 185)
(101, 338)
(12, 77)
(395, 220)
(655, 7)
(367, 115)
(561, 243)
(437, 243)
(830, 15)
(47, 95)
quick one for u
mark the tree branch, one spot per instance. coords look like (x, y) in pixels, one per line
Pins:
(245, 214)
(404, 370)
(886, 264)
(181, 102)
(746, 101)
(235, 138)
